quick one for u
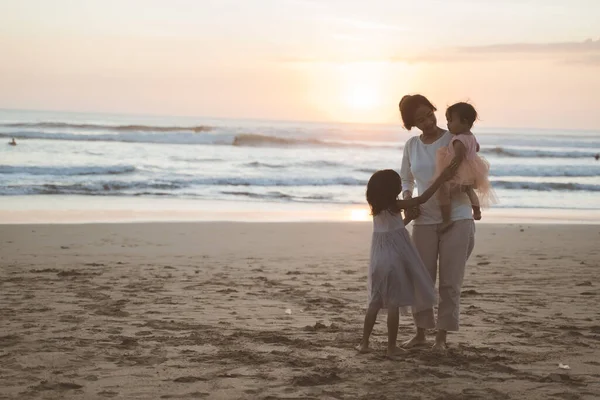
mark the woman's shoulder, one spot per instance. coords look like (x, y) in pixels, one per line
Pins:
(410, 143)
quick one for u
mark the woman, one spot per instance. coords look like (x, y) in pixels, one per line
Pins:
(453, 246)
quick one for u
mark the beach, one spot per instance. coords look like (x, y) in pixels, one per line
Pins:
(231, 310)
(184, 214)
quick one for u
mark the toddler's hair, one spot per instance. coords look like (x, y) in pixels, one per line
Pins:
(464, 111)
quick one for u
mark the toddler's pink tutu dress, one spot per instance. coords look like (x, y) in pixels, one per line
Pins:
(473, 171)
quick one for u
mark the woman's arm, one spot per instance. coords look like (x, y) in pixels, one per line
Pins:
(408, 180)
(408, 184)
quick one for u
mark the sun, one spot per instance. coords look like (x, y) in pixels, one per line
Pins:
(365, 91)
(361, 86)
(358, 91)
(361, 97)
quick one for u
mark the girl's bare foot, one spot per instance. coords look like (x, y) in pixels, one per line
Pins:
(394, 352)
(415, 341)
(439, 346)
(363, 348)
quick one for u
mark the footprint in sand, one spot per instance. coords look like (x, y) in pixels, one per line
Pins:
(190, 379)
(9, 340)
(193, 395)
(59, 386)
(108, 393)
(316, 379)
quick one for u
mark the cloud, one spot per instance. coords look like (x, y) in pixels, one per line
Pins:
(336, 60)
(433, 58)
(364, 24)
(332, 16)
(348, 38)
(592, 59)
(429, 58)
(586, 52)
(586, 46)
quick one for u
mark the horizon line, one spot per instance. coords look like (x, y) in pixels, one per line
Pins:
(258, 119)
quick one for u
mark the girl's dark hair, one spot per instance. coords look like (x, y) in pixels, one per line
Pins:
(408, 106)
(383, 190)
(464, 111)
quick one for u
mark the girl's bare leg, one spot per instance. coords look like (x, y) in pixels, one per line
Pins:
(392, 325)
(370, 319)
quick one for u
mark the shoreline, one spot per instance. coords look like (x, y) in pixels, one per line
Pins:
(84, 210)
(352, 215)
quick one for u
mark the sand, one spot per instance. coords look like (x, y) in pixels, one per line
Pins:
(269, 311)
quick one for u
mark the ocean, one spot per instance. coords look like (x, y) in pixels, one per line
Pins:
(100, 159)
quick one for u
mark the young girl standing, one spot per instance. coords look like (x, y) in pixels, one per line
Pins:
(397, 277)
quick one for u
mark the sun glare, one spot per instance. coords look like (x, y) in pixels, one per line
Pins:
(359, 214)
(361, 85)
(365, 91)
(361, 96)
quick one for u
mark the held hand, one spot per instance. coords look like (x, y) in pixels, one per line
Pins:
(412, 213)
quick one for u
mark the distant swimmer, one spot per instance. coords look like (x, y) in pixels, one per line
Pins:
(597, 156)
(13, 142)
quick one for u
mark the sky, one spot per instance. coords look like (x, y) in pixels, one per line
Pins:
(522, 63)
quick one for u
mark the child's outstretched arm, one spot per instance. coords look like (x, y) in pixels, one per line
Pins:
(415, 201)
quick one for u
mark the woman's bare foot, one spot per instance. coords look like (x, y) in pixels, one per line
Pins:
(394, 352)
(417, 340)
(439, 346)
(440, 341)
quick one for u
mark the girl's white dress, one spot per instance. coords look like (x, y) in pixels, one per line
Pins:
(397, 276)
